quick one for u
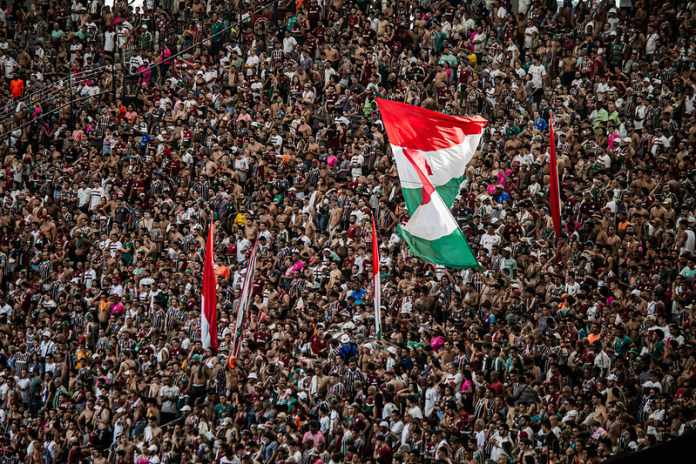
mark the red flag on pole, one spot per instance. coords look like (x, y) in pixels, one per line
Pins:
(209, 295)
(554, 186)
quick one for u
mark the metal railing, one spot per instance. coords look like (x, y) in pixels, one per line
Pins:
(58, 105)
(51, 93)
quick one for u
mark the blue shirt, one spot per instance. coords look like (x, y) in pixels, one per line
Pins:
(357, 295)
(503, 197)
(541, 124)
(348, 351)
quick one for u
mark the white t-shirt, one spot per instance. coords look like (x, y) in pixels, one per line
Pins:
(432, 395)
(529, 36)
(169, 396)
(10, 65)
(488, 241)
(116, 290)
(308, 95)
(289, 44)
(241, 164)
(651, 43)
(406, 305)
(252, 60)
(242, 246)
(415, 412)
(96, 197)
(397, 427)
(639, 116)
(109, 38)
(4, 388)
(537, 72)
(6, 310)
(356, 164)
(605, 159)
(689, 104)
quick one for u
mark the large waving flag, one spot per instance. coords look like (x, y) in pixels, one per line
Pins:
(442, 145)
(209, 295)
(432, 233)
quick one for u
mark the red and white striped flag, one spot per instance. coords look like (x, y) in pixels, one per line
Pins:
(377, 296)
(244, 300)
(209, 294)
(554, 186)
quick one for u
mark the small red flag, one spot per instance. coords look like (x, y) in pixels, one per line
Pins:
(554, 186)
(209, 295)
(376, 281)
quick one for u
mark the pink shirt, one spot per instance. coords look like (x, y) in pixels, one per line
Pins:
(118, 308)
(317, 439)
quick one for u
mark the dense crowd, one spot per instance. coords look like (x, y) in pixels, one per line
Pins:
(262, 118)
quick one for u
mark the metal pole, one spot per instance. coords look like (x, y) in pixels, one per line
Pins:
(71, 120)
(113, 68)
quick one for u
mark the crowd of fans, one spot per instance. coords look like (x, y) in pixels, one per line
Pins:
(262, 118)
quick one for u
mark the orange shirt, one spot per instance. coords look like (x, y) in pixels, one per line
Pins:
(16, 88)
(222, 272)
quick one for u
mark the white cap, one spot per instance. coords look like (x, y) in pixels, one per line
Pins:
(570, 415)
(655, 385)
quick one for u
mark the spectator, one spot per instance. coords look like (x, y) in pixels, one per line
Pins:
(127, 129)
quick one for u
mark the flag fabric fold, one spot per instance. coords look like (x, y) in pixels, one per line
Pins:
(554, 186)
(376, 282)
(442, 145)
(209, 295)
(432, 233)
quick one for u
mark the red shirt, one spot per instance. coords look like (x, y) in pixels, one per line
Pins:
(318, 344)
(496, 386)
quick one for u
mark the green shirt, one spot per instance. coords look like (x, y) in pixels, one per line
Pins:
(622, 344)
(688, 273)
(217, 27)
(439, 41)
(449, 59)
(223, 410)
(291, 23)
(603, 116)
